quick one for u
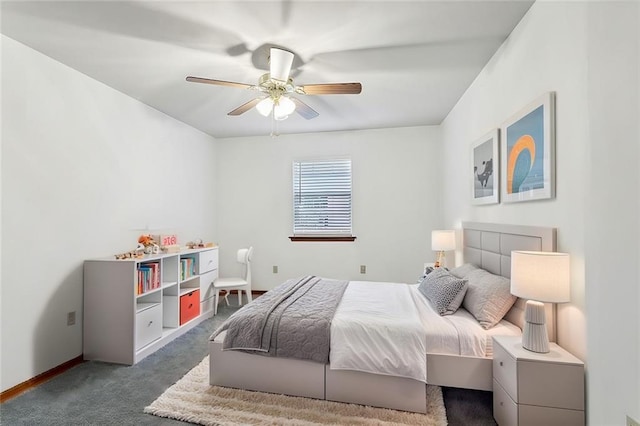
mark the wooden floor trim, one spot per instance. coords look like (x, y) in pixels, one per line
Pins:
(39, 379)
(253, 292)
(55, 371)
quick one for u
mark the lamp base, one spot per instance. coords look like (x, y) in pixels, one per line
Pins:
(534, 334)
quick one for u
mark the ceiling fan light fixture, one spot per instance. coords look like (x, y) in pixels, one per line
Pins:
(283, 107)
(280, 64)
(265, 106)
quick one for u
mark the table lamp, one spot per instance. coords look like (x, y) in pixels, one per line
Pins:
(539, 277)
(441, 241)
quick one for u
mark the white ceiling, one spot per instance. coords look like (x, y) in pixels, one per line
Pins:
(414, 59)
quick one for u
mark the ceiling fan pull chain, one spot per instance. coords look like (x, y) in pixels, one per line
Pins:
(274, 125)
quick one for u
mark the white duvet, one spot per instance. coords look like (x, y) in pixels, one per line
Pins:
(388, 328)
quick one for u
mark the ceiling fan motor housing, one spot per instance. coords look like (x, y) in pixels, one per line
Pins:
(275, 88)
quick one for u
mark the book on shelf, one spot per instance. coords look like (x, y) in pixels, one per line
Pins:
(187, 267)
(148, 277)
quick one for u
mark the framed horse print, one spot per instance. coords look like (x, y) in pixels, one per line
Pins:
(485, 161)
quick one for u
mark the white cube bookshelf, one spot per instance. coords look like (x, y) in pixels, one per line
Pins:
(126, 320)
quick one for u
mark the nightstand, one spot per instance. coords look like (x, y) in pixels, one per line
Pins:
(531, 388)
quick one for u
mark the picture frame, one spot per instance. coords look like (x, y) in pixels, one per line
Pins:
(528, 152)
(485, 161)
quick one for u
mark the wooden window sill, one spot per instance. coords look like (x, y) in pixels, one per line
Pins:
(322, 238)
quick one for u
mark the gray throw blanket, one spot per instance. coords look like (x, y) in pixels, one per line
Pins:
(293, 320)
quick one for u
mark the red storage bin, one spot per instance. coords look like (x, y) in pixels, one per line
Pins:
(189, 306)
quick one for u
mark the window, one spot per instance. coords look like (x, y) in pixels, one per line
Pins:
(322, 200)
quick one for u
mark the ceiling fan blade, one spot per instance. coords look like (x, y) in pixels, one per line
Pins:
(304, 110)
(331, 89)
(219, 82)
(245, 107)
(280, 62)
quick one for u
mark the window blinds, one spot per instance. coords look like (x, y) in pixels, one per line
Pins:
(322, 197)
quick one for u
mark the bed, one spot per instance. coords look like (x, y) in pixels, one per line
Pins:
(485, 245)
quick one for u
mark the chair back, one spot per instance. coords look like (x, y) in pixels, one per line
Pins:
(244, 256)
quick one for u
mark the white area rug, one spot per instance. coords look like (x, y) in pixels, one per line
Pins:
(193, 400)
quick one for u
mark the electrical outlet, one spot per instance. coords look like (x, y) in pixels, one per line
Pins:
(275, 269)
(363, 269)
(71, 318)
(632, 422)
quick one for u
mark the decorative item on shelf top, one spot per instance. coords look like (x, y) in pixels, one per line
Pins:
(198, 243)
(167, 243)
(174, 248)
(133, 254)
(148, 244)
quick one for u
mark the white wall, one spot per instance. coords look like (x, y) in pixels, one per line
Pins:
(396, 181)
(572, 49)
(84, 170)
(531, 62)
(612, 212)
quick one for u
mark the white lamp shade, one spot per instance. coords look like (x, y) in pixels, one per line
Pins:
(541, 276)
(283, 107)
(443, 240)
(264, 106)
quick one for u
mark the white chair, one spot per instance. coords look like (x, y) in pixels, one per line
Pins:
(235, 283)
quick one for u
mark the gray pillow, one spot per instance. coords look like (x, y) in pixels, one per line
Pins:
(463, 270)
(444, 291)
(488, 297)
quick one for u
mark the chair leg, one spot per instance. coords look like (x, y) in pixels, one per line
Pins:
(239, 297)
(216, 297)
(249, 298)
(226, 297)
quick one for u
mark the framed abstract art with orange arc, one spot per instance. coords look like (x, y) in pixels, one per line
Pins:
(528, 152)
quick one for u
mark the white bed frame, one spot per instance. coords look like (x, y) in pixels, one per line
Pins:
(486, 245)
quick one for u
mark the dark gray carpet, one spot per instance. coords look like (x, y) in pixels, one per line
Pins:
(468, 407)
(96, 393)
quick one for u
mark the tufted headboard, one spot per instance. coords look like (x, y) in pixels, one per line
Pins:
(489, 246)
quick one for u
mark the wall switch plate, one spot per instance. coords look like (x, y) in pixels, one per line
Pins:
(71, 318)
(363, 269)
(631, 422)
(275, 269)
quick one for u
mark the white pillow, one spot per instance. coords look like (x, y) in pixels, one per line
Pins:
(488, 297)
(463, 270)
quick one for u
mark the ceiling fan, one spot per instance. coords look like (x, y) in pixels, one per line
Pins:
(276, 88)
